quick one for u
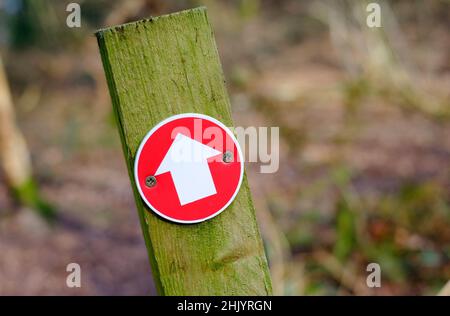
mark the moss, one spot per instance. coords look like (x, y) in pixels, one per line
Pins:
(28, 195)
(166, 66)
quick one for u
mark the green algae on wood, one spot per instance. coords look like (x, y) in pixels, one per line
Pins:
(157, 68)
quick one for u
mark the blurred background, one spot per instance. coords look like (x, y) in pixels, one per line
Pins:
(364, 117)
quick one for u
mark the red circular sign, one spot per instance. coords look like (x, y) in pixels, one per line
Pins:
(189, 168)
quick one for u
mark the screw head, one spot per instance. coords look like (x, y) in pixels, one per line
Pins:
(150, 181)
(228, 157)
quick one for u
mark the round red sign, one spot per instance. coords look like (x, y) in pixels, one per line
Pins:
(189, 168)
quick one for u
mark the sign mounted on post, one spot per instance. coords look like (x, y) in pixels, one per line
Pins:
(189, 168)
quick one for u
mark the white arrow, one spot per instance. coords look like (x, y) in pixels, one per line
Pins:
(186, 160)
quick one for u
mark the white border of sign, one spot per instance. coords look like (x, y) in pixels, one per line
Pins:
(170, 119)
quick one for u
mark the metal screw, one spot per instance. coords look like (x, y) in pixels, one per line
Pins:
(150, 181)
(228, 156)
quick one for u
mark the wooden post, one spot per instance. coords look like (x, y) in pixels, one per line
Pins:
(156, 68)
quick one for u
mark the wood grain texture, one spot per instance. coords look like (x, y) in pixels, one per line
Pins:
(157, 68)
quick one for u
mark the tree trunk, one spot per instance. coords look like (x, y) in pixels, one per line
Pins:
(14, 155)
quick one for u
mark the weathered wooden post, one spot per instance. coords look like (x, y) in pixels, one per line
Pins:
(156, 68)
